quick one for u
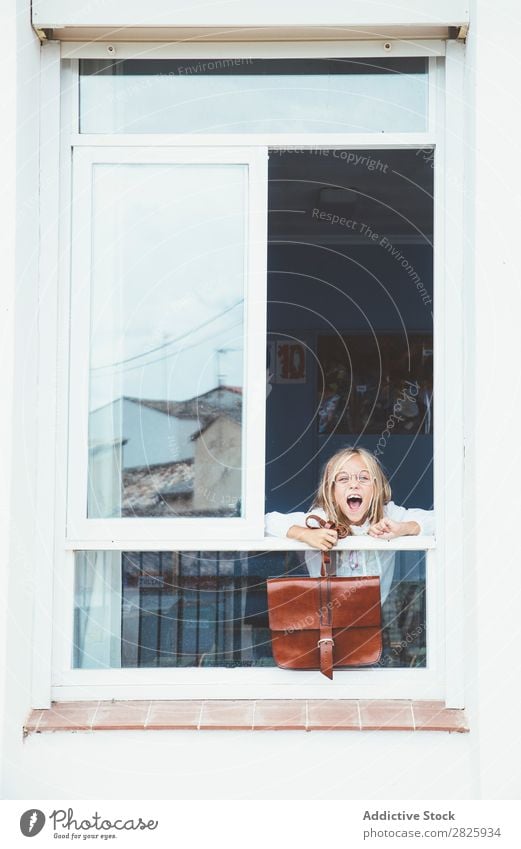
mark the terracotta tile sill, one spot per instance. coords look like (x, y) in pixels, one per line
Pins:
(248, 715)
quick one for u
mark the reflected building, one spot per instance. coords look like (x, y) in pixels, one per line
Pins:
(170, 458)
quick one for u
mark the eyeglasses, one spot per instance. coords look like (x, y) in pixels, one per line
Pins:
(363, 478)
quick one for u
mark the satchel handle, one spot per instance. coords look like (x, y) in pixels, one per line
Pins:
(341, 530)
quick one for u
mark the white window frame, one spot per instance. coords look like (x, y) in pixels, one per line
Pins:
(53, 676)
(125, 530)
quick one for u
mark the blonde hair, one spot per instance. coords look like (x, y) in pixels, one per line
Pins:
(325, 498)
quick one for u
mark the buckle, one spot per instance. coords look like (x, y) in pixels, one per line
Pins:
(326, 640)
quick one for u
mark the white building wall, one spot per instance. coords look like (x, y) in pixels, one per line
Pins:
(154, 437)
(388, 765)
(151, 436)
(18, 373)
(246, 765)
(8, 252)
(493, 389)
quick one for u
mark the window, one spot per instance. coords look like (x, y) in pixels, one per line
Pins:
(159, 327)
(350, 273)
(253, 96)
(210, 268)
(164, 609)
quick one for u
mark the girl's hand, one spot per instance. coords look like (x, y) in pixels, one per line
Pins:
(321, 538)
(387, 529)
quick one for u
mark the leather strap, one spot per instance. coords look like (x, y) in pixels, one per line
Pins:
(326, 642)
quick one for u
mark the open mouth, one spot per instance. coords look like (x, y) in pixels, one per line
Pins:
(354, 502)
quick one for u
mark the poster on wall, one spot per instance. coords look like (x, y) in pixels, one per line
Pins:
(290, 362)
(368, 383)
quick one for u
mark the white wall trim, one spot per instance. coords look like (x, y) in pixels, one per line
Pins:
(376, 48)
(153, 543)
(355, 14)
(274, 141)
(49, 214)
(452, 269)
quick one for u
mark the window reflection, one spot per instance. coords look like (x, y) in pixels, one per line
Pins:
(166, 349)
(253, 95)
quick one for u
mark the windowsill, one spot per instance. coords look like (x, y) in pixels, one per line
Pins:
(352, 543)
(248, 715)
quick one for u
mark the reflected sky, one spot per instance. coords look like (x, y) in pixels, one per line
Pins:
(167, 280)
(245, 96)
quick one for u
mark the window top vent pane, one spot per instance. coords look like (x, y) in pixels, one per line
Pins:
(253, 96)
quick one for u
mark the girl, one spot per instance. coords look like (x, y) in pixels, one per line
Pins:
(355, 493)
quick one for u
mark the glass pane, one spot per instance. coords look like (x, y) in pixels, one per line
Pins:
(202, 608)
(253, 96)
(166, 344)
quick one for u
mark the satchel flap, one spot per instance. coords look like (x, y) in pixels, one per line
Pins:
(294, 603)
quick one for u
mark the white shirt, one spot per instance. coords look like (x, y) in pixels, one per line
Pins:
(353, 563)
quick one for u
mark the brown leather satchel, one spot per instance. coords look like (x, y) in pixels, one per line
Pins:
(327, 622)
